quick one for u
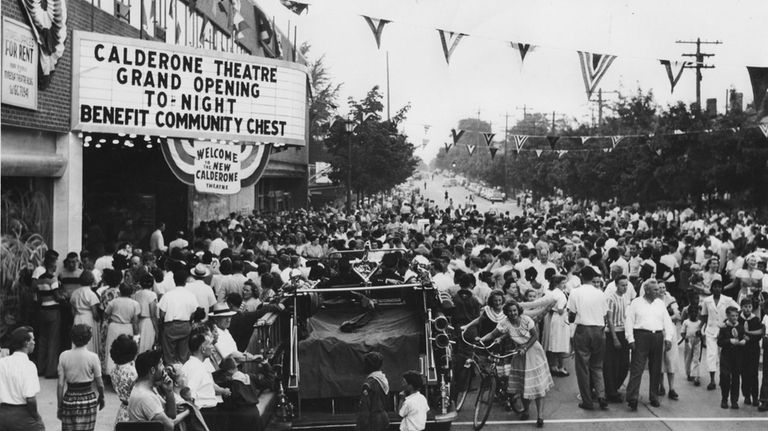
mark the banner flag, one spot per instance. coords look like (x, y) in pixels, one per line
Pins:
(493, 151)
(450, 43)
(561, 153)
(552, 141)
(488, 138)
(377, 27)
(764, 129)
(471, 149)
(523, 48)
(538, 153)
(584, 139)
(615, 140)
(456, 136)
(447, 146)
(519, 141)
(758, 76)
(593, 68)
(674, 71)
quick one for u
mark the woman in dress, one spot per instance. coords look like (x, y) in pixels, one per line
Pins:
(85, 308)
(710, 274)
(123, 317)
(557, 332)
(147, 300)
(79, 369)
(747, 282)
(108, 292)
(372, 414)
(671, 362)
(528, 370)
(490, 315)
(123, 352)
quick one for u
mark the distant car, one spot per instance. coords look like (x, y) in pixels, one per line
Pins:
(449, 183)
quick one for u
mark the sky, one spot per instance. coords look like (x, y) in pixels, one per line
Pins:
(486, 75)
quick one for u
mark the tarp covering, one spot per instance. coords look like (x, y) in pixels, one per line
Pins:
(331, 361)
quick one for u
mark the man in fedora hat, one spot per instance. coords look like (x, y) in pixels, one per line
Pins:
(225, 345)
(202, 291)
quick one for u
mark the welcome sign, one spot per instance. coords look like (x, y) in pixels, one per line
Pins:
(133, 86)
(217, 168)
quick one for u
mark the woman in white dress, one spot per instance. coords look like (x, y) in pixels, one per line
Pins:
(85, 306)
(147, 300)
(557, 333)
(671, 362)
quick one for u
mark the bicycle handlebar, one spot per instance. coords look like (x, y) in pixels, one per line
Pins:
(487, 348)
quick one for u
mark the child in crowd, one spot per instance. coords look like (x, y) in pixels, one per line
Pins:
(753, 330)
(691, 335)
(764, 386)
(731, 340)
(413, 406)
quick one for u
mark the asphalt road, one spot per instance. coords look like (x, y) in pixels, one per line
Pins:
(435, 191)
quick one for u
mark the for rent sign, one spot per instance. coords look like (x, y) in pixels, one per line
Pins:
(20, 57)
(217, 168)
(143, 87)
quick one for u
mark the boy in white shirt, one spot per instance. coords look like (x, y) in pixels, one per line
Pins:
(413, 405)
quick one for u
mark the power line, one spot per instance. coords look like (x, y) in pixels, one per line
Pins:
(699, 64)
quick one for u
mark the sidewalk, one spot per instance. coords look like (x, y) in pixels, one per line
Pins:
(46, 403)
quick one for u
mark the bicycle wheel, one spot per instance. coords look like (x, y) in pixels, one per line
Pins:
(464, 384)
(484, 401)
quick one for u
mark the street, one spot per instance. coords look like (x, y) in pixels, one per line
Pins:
(435, 191)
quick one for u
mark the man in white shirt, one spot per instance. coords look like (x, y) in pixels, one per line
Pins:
(199, 373)
(542, 263)
(587, 307)
(176, 308)
(19, 384)
(203, 292)
(712, 319)
(156, 240)
(225, 343)
(649, 331)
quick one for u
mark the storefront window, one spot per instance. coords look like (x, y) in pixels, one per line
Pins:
(27, 222)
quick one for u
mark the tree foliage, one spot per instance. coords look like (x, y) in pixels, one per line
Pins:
(323, 105)
(717, 157)
(381, 157)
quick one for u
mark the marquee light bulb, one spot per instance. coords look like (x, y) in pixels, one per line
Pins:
(149, 145)
(86, 144)
(102, 140)
(80, 135)
(115, 141)
(88, 138)
(147, 138)
(98, 145)
(133, 136)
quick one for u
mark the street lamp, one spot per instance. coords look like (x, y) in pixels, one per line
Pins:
(349, 127)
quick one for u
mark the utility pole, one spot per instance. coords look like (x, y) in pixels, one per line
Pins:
(600, 103)
(388, 117)
(699, 64)
(506, 132)
(553, 122)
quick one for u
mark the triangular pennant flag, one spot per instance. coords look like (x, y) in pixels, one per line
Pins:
(488, 138)
(674, 71)
(561, 153)
(377, 27)
(471, 149)
(456, 136)
(523, 48)
(584, 139)
(606, 150)
(493, 151)
(593, 68)
(426, 128)
(658, 151)
(447, 146)
(552, 141)
(296, 7)
(615, 140)
(368, 115)
(538, 153)
(734, 129)
(764, 129)
(519, 141)
(450, 40)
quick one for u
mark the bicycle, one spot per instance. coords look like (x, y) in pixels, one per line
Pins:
(483, 365)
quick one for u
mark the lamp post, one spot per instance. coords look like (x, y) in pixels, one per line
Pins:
(349, 127)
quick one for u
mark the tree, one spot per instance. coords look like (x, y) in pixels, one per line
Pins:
(322, 108)
(380, 156)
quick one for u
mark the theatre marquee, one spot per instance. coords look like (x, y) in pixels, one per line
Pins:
(132, 86)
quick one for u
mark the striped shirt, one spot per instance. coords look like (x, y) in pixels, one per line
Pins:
(617, 311)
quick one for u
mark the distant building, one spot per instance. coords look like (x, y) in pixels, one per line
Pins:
(712, 107)
(736, 101)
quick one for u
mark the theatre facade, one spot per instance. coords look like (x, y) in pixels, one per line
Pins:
(117, 116)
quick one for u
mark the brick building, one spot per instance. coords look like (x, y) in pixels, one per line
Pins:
(81, 190)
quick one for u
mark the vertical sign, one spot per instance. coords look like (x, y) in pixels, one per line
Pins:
(20, 57)
(217, 168)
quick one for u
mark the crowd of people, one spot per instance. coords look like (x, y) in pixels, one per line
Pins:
(168, 327)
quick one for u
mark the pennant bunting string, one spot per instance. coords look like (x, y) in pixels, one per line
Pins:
(488, 138)
(471, 149)
(764, 129)
(538, 153)
(615, 140)
(447, 146)
(523, 48)
(552, 141)
(456, 136)
(520, 141)
(493, 151)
